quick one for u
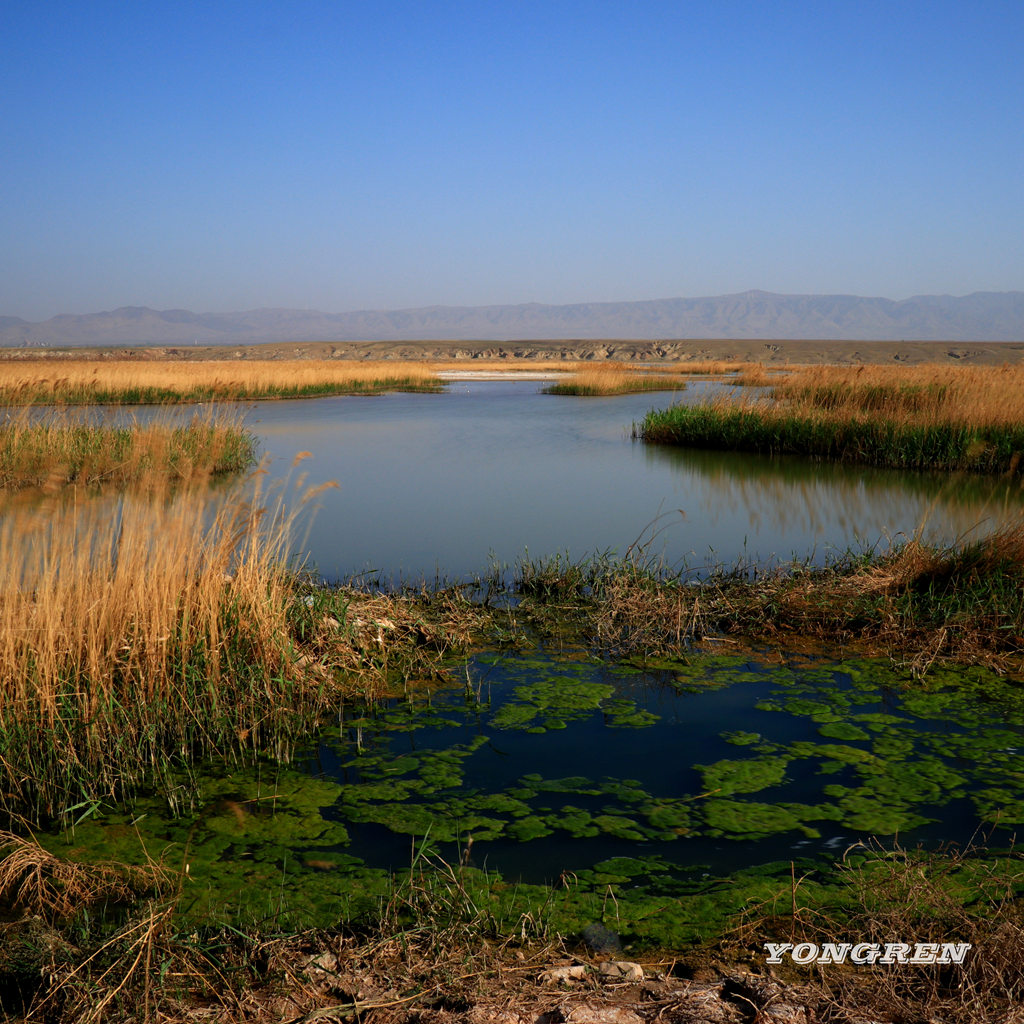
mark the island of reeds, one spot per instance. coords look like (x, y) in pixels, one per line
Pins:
(947, 419)
(598, 379)
(56, 449)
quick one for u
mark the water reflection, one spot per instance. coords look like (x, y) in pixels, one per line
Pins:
(444, 484)
(786, 495)
(447, 484)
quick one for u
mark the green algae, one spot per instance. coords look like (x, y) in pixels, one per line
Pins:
(847, 749)
(750, 776)
(741, 738)
(883, 768)
(840, 730)
(256, 848)
(754, 820)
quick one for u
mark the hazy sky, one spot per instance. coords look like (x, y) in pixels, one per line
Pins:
(384, 154)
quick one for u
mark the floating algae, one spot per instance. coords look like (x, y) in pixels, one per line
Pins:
(524, 774)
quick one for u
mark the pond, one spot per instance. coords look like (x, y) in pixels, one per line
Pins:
(449, 484)
(536, 769)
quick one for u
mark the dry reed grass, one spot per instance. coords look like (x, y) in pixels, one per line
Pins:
(510, 366)
(948, 419)
(989, 396)
(719, 367)
(57, 448)
(615, 378)
(916, 603)
(143, 631)
(78, 381)
(34, 881)
(139, 628)
(900, 895)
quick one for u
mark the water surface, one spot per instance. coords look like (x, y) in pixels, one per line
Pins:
(442, 484)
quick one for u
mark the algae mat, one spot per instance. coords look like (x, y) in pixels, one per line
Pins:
(681, 792)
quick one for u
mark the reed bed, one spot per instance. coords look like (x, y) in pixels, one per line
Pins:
(968, 395)
(147, 382)
(145, 631)
(613, 378)
(508, 365)
(718, 367)
(57, 449)
(135, 633)
(931, 417)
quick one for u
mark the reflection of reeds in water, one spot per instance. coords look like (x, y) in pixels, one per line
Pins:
(137, 633)
(797, 495)
(77, 381)
(59, 448)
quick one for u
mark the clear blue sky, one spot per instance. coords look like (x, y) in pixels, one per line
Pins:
(379, 155)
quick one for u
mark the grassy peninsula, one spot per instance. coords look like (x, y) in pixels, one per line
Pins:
(948, 419)
(124, 381)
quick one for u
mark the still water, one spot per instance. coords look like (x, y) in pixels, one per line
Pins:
(657, 789)
(547, 765)
(446, 484)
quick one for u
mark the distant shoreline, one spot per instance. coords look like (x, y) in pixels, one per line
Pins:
(777, 352)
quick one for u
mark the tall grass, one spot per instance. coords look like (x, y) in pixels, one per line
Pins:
(614, 378)
(931, 417)
(131, 382)
(56, 449)
(139, 632)
(144, 631)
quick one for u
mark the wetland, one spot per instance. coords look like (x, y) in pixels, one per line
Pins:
(573, 678)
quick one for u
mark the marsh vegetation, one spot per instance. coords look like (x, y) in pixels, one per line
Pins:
(594, 380)
(193, 721)
(148, 382)
(57, 449)
(948, 419)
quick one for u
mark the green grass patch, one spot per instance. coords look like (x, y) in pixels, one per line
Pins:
(944, 447)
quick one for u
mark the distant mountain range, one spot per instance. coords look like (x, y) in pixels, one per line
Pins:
(981, 316)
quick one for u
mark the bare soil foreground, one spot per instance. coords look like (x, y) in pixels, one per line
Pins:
(759, 351)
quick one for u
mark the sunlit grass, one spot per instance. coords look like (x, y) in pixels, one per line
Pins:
(144, 631)
(57, 449)
(130, 382)
(928, 417)
(613, 378)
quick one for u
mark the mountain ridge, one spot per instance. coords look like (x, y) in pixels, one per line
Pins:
(754, 314)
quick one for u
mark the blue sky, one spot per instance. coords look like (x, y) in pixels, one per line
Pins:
(379, 155)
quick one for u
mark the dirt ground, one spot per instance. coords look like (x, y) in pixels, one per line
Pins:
(745, 350)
